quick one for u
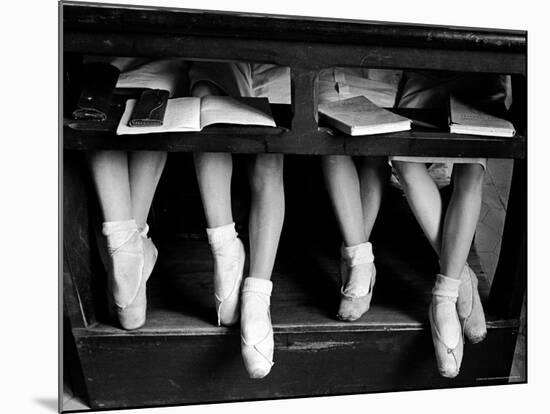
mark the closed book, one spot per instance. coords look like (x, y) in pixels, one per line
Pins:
(360, 116)
(465, 119)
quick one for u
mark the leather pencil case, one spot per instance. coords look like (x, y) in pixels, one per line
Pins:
(149, 109)
(99, 80)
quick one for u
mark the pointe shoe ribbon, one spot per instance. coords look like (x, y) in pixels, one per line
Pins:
(257, 342)
(469, 307)
(445, 326)
(229, 258)
(358, 276)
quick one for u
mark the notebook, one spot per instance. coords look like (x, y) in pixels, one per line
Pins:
(360, 116)
(464, 119)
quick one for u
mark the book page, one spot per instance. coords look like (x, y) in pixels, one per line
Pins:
(469, 118)
(228, 110)
(182, 115)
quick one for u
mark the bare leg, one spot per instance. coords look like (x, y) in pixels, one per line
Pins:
(267, 212)
(214, 172)
(110, 174)
(214, 177)
(456, 238)
(424, 199)
(343, 186)
(373, 173)
(145, 169)
(461, 218)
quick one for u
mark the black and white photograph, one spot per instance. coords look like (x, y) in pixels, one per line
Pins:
(281, 208)
(265, 206)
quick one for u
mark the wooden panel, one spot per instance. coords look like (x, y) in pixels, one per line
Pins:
(81, 263)
(510, 281)
(249, 25)
(129, 371)
(314, 56)
(249, 140)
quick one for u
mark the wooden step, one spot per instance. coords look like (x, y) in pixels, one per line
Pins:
(181, 357)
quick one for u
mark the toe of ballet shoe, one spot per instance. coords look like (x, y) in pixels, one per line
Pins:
(228, 318)
(256, 365)
(449, 371)
(258, 373)
(475, 337)
(133, 316)
(352, 309)
(131, 322)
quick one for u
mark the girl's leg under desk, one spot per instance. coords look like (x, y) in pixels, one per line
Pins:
(424, 199)
(267, 212)
(461, 218)
(145, 169)
(343, 186)
(450, 236)
(111, 178)
(374, 173)
(214, 172)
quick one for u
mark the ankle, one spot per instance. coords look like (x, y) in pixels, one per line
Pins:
(255, 316)
(119, 233)
(220, 236)
(262, 287)
(446, 287)
(358, 254)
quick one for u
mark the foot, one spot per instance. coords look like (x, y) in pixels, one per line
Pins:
(132, 257)
(257, 342)
(445, 326)
(229, 258)
(358, 275)
(470, 310)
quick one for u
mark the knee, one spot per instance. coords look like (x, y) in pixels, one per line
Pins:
(405, 172)
(468, 178)
(201, 89)
(267, 172)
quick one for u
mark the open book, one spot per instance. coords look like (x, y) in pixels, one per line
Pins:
(360, 116)
(193, 114)
(465, 119)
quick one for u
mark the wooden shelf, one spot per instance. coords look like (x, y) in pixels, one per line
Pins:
(323, 141)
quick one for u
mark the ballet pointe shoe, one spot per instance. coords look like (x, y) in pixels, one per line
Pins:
(470, 310)
(132, 256)
(358, 275)
(256, 331)
(229, 258)
(445, 326)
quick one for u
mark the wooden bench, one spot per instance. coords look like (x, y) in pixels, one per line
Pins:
(180, 356)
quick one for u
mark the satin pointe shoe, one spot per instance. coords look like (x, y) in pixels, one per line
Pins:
(358, 275)
(445, 326)
(229, 257)
(257, 342)
(132, 256)
(470, 310)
